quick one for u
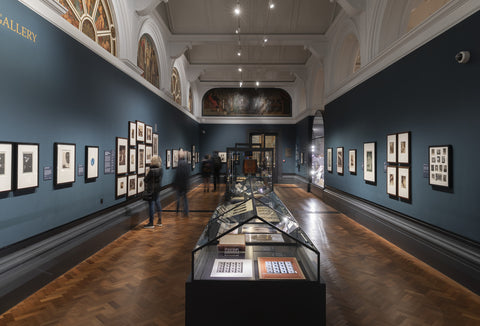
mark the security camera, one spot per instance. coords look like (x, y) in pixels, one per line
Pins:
(462, 57)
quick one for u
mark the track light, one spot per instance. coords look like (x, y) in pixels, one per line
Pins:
(237, 10)
(271, 5)
(257, 83)
(239, 69)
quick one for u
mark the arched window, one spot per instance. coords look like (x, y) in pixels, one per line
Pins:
(190, 100)
(94, 19)
(175, 87)
(147, 60)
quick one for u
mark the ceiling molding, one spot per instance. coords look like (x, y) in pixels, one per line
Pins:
(352, 7)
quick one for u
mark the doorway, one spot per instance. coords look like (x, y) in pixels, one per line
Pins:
(267, 140)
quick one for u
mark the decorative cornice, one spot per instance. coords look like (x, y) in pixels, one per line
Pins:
(55, 5)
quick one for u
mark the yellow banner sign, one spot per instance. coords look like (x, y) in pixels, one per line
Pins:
(15, 27)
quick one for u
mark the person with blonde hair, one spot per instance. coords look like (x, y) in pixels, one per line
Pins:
(153, 182)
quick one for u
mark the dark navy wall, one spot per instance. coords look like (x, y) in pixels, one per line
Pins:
(57, 90)
(429, 94)
(216, 137)
(304, 141)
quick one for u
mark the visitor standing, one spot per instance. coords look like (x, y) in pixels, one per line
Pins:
(181, 182)
(153, 182)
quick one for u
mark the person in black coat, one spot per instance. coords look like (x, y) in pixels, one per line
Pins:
(206, 172)
(217, 166)
(181, 181)
(153, 182)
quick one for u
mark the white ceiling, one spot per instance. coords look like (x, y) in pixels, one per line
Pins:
(209, 26)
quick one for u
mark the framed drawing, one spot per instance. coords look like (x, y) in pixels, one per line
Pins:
(352, 161)
(168, 159)
(392, 180)
(329, 159)
(132, 185)
(141, 158)
(340, 160)
(121, 187)
(189, 157)
(404, 182)
(148, 154)
(64, 163)
(91, 162)
(404, 148)
(132, 160)
(132, 133)
(140, 131)
(440, 158)
(6, 159)
(155, 144)
(302, 158)
(174, 158)
(148, 134)
(223, 156)
(392, 148)
(141, 184)
(122, 144)
(369, 159)
(27, 165)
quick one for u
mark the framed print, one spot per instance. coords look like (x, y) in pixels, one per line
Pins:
(141, 184)
(141, 158)
(329, 159)
(189, 157)
(340, 160)
(91, 162)
(392, 148)
(168, 159)
(132, 133)
(369, 159)
(122, 144)
(148, 154)
(392, 180)
(132, 160)
(352, 161)
(64, 163)
(140, 131)
(223, 156)
(440, 158)
(404, 182)
(404, 148)
(121, 187)
(6, 159)
(155, 144)
(27, 166)
(302, 158)
(132, 185)
(148, 134)
(174, 158)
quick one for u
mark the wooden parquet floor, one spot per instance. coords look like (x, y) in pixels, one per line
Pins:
(139, 279)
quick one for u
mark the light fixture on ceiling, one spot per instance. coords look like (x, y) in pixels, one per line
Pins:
(241, 84)
(257, 83)
(271, 5)
(237, 31)
(265, 39)
(239, 52)
(239, 69)
(237, 8)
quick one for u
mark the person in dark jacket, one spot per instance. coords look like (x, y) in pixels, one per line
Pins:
(217, 166)
(206, 172)
(153, 182)
(181, 181)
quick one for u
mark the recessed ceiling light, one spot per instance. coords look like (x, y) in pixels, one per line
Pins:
(239, 69)
(265, 40)
(237, 10)
(271, 5)
(239, 53)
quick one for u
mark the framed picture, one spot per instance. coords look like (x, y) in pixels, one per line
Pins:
(392, 180)
(329, 159)
(369, 159)
(6, 164)
(140, 131)
(340, 160)
(141, 158)
(64, 163)
(121, 187)
(352, 161)
(91, 162)
(404, 148)
(174, 158)
(27, 165)
(404, 182)
(148, 154)
(122, 144)
(148, 134)
(132, 133)
(141, 184)
(132, 185)
(440, 158)
(302, 159)
(223, 156)
(392, 148)
(155, 144)
(189, 157)
(132, 160)
(168, 159)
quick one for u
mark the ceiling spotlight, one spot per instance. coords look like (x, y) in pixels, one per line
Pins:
(237, 10)
(239, 69)
(271, 5)
(257, 83)
(265, 40)
(241, 84)
(239, 53)
(237, 31)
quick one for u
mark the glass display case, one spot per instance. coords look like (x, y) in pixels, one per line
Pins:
(253, 236)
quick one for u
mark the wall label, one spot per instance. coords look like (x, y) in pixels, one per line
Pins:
(15, 27)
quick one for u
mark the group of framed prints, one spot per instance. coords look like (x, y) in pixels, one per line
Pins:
(398, 168)
(352, 160)
(172, 157)
(19, 165)
(134, 156)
